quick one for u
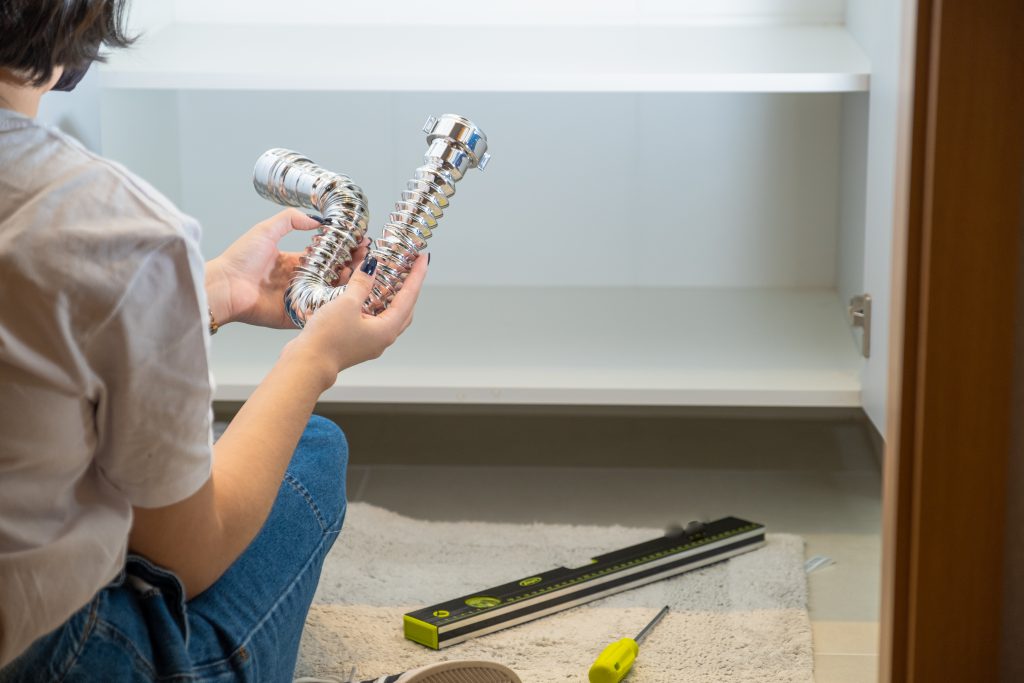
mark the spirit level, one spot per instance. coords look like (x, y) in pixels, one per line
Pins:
(537, 596)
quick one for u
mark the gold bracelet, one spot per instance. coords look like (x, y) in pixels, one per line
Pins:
(213, 323)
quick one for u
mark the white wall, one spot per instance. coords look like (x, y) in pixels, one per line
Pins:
(469, 12)
(150, 15)
(662, 190)
(879, 26)
(853, 184)
(77, 112)
(140, 129)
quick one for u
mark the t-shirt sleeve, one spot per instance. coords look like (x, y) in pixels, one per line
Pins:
(153, 399)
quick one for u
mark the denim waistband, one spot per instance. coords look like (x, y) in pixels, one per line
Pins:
(144, 577)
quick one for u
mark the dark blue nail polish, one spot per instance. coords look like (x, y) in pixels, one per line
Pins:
(318, 219)
(369, 265)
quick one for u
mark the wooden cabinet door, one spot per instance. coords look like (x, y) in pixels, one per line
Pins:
(949, 587)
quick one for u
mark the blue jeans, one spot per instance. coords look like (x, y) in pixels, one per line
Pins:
(246, 627)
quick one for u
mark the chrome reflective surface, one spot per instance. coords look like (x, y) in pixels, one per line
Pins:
(454, 145)
(288, 178)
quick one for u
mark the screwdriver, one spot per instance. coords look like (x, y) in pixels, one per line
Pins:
(616, 660)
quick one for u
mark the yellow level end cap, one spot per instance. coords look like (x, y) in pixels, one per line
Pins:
(420, 632)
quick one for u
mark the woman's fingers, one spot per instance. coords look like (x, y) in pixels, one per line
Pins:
(301, 221)
(361, 283)
(341, 332)
(280, 224)
(405, 301)
(357, 258)
(360, 253)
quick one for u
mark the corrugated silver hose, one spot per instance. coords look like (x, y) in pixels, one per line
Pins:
(288, 178)
(455, 145)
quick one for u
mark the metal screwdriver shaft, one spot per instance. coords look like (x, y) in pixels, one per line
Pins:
(650, 626)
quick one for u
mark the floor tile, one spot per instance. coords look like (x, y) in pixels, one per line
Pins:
(794, 502)
(850, 590)
(845, 637)
(845, 669)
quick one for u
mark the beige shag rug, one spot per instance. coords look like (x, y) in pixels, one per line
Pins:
(744, 619)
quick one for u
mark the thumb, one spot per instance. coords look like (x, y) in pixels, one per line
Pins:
(280, 224)
(361, 282)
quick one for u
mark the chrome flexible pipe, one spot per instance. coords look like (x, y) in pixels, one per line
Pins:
(290, 179)
(454, 146)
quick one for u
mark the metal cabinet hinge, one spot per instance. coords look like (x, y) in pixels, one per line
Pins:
(859, 312)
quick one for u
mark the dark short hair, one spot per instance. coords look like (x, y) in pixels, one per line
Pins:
(37, 36)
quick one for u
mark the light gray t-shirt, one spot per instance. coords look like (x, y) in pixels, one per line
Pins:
(105, 391)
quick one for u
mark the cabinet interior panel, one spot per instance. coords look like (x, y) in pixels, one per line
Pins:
(591, 346)
(620, 249)
(680, 190)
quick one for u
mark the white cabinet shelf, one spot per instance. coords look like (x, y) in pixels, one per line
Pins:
(772, 58)
(761, 209)
(592, 346)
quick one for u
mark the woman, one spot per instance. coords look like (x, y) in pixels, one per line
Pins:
(131, 547)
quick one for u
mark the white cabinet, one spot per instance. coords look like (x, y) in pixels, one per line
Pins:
(679, 206)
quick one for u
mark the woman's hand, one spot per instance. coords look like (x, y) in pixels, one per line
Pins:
(339, 335)
(248, 281)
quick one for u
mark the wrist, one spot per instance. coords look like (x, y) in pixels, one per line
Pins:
(218, 293)
(298, 357)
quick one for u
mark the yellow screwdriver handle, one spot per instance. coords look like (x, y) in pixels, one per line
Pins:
(614, 662)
